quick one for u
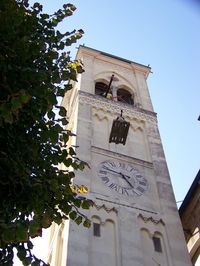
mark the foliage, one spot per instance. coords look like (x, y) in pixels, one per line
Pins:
(35, 71)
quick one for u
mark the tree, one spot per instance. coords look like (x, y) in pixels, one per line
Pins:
(35, 71)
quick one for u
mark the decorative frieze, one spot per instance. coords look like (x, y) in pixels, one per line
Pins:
(103, 206)
(129, 111)
(151, 219)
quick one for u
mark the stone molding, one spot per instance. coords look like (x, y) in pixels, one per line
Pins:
(114, 107)
(118, 204)
(117, 155)
(103, 206)
(151, 219)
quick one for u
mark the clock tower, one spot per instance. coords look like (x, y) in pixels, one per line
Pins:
(134, 215)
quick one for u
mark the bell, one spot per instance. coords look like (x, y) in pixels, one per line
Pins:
(119, 130)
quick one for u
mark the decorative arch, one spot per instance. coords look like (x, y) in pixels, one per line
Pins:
(101, 87)
(96, 218)
(101, 82)
(106, 234)
(96, 225)
(100, 129)
(153, 246)
(101, 115)
(157, 239)
(123, 89)
(123, 95)
(146, 231)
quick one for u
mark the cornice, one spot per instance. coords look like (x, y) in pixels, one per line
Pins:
(129, 159)
(113, 59)
(130, 112)
(119, 204)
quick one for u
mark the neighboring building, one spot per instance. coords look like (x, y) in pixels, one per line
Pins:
(134, 217)
(190, 216)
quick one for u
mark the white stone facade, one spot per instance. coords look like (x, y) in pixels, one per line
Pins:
(141, 229)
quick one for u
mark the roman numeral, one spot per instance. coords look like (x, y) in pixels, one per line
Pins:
(105, 179)
(114, 186)
(124, 191)
(112, 164)
(141, 189)
(142, 183)
(103, 172)
(122, 165)
(105, 167)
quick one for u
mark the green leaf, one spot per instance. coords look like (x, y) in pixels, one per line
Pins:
(56, 77)
(65, 75)
(21, 254)
(72, 215)
(34, 229)
(77, 203)
(67, 87)
(46, 221)
(64, 121)
(66, 208)
(79, 69)
(68, 162)
(79, 220)
(65, 137)
(51, 114)
(16, 103)
(71, 151)
(27, 261)
(8, 234)
(51, 98)
(58, 219)
(53, 135)
(62, 45)
(30, 244)
(36, 263)
(81, 165)
(24, 96)
(87, 223)
(71, 175)
(85, 204)
(21, 233)
(62, 111)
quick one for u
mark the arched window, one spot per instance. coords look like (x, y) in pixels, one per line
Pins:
(124, 96)
(157, 243)
(100, 88)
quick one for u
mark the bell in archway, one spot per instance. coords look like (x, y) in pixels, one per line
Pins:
(119, 130)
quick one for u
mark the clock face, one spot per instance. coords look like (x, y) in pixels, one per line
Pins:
(122, 178)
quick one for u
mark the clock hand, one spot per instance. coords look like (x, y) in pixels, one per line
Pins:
(113, 171)
(123, 176)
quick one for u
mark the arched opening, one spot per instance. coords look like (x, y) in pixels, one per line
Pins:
(100, 88)
(124, 96)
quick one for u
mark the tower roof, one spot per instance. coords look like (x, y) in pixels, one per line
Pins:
(148, 68)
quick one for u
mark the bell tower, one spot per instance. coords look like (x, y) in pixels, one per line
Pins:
(134, 214)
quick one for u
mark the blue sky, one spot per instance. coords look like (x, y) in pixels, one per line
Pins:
(166, 35)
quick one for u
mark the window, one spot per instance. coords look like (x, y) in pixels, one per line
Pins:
(100, 88)
(157, 244)
(124, 96)
(96, 229)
